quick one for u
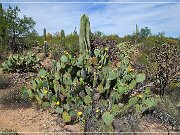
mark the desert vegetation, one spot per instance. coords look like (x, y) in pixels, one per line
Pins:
(104, 83)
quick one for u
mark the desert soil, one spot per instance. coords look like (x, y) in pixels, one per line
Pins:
(22, 116)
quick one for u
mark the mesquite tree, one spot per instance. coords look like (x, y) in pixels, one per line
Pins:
(17, 27)
(3, 28)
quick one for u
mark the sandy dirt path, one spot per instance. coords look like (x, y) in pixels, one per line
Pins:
(21, 116)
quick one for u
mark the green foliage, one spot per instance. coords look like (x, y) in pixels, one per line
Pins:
(97, 34)
(140, 77)
(145, 32)
(21, 63)
(3, 29)
(72, 43)
(9, 132)
(107, 118)
(33, 39)
(17, 27)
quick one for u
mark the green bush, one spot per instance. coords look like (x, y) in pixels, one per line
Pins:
(21, 63)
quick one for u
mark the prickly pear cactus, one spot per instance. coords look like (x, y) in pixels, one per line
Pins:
(87, 88)
(84, 36)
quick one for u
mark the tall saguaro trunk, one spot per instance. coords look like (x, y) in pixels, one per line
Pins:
(63, 37)
(84, 36)
(45, 47)
(44, 34)
(136, 36)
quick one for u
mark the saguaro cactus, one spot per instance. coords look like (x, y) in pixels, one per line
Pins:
(45, 48)
(63, 37)
(84, 36)
(136, 34)
(75, 31)
(44, 34)
(1, 11)
(62, 34)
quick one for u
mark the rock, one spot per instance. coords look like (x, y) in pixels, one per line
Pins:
(47, 64)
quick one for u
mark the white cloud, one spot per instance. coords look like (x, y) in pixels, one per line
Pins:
(108, 18)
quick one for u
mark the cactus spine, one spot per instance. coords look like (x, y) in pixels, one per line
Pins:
(84, 36)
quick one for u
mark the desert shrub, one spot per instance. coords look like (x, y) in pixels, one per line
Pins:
(160, 63)
(56, 54)
(72, 43)
(21, 63)
(99, 43)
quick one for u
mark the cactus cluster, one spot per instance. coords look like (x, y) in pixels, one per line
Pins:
(78, 87)
(21, 63)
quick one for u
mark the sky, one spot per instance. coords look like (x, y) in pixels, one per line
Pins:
(108, 16)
